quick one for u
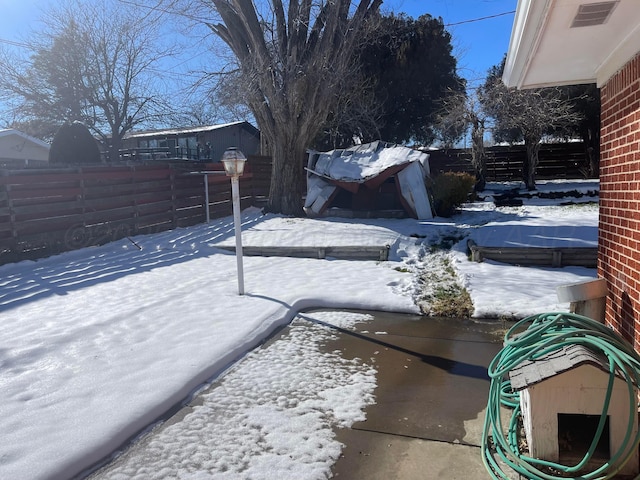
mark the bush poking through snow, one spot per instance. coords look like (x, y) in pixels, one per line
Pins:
(450, 190)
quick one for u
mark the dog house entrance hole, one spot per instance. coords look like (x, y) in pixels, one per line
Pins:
(575, 434)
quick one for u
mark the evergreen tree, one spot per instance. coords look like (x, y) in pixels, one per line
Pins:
(410, 67)
(413, 67)
(73, 144)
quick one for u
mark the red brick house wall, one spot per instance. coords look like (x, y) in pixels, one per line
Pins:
(619, 226)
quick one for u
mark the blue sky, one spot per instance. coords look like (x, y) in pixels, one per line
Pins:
(478, 45)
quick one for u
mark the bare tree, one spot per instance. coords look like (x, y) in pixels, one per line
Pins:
(292, 62)
(355, 118)
(525, 115)
(459, 115)
(94, 63)
(586, 100)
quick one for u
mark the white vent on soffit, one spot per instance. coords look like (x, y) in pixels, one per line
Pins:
(591, 14)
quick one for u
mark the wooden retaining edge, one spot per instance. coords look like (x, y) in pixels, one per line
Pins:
(536, 256)
(369, 252)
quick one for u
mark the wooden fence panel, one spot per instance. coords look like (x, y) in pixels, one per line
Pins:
(45, 211)
(261, 169)
(504, 163)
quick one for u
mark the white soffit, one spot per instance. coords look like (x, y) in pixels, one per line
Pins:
(563, 42)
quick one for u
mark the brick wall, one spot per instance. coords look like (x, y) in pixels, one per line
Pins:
(619, 228)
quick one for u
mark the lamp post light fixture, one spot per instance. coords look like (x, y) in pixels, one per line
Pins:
(234, 160)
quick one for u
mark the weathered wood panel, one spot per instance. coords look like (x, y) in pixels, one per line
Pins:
(44, 211)
(345, 252)
(536, 256)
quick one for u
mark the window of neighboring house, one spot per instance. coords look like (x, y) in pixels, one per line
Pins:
(188, 147)
(149, 143)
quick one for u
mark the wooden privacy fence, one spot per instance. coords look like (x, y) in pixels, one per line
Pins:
(54, 210)
(504, 163)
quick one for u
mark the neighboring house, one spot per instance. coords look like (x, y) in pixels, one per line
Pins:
(18, 150)
(205, 143)
(558, 42)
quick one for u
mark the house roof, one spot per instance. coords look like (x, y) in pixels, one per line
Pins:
(564, 42)
(186, 130)
(559, 361)
(11, 131)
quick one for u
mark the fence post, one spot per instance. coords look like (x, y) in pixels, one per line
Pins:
(174, 209)
(12, 215)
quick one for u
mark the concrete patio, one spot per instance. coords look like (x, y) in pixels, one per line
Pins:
(432, 388)
(430, 401)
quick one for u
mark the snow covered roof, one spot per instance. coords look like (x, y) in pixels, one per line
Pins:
(186, 130)
(362, 162)
(368, 166)
(11, 131)
(16, 146)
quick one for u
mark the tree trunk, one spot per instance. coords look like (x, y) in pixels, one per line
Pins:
(114, 148)
(593, 160)
(479, 158)
(591, 141)
(530, 164)
(287, 178)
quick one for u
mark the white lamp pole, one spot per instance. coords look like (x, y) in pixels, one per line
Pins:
(234, 160)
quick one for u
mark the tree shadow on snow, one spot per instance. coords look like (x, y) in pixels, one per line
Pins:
(29, 281)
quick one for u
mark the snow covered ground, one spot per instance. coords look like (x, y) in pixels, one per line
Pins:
(98, 343)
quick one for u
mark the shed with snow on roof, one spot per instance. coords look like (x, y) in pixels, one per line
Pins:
(371, 180)
(562, 397)
(19, 150)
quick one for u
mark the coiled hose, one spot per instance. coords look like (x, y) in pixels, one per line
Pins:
(533, 338)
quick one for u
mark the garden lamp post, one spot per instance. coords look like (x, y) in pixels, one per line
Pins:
(233, 160)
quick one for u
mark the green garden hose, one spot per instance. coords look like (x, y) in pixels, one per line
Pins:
(533, 338)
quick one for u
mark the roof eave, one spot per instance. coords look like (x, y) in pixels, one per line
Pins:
(546, 49)
(618, 57)
(527, 28)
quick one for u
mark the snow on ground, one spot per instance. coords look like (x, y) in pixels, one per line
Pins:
(96, 344)
(252, 425)
(538, 223)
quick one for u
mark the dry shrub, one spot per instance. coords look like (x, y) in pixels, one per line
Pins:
(449, 190)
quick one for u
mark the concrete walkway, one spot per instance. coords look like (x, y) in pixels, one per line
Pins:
(430, 401)
(431, 394)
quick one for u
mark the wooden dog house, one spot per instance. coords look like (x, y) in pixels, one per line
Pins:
(562, 396)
